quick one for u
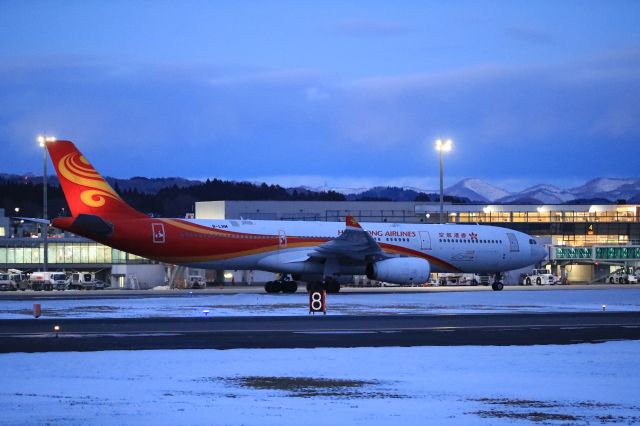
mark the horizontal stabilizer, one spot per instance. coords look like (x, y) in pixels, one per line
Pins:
(93, 224)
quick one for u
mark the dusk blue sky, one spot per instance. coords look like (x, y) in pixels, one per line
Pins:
(347, 93)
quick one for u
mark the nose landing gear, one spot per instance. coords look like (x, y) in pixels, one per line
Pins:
(497, 284)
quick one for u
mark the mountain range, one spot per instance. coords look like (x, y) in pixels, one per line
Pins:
(597, 190)
(600, 189)
(474, 190)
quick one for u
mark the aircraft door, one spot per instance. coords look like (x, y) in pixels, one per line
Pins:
(513, 242)
(282, 240)
(425, 240)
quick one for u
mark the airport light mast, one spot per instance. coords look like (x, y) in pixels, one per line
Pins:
(43, 140)
(442, 146)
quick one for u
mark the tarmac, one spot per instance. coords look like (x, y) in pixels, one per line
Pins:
(60, 335)
(259, 289)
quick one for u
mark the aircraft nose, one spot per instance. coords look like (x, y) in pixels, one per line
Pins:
(540, 253)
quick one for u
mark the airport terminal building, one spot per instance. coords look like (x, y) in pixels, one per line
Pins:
(586, 242)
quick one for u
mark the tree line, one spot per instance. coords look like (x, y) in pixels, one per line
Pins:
(172, 201)
(175, 201)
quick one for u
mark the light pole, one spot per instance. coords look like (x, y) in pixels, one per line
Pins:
(442, 146)
(15, 223)
(43, 140)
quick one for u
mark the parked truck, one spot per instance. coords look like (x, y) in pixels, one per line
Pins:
(20, 278)
(445, 279)
(195, 281)
(84, 281)
(7, 283)
(47, 281)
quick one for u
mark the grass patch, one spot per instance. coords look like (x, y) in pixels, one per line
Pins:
(528, 403)
(535, 416)
(309, 387)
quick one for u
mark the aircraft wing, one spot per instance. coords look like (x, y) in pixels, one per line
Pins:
(354, 243)
(32, 219)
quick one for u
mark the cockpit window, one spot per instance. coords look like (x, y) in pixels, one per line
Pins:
(532, 241)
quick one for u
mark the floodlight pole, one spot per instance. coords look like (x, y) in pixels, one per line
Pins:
(45, 232)
(441, 190)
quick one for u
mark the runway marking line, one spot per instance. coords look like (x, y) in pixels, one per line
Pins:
(327, 331)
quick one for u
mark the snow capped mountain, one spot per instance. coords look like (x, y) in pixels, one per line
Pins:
(544, 194)
(476, 190)
(611, 189)
(341, 190)
(607, 188)
(386, 193)
(473, 189)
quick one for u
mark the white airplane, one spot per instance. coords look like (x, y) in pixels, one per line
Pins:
(319, 253)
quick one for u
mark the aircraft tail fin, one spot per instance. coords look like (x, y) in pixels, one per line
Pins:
(84, 188)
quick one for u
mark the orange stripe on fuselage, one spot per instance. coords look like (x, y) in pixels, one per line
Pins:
(292, 242)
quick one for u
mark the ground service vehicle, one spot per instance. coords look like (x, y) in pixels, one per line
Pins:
(84, 281)
(48, 281)
(465, 279)
(7, 283)
(20, 278)
(540, 277)
(195, 281)
(623, 276)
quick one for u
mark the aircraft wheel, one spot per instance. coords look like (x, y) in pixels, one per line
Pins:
(272, 287)
(333, 286)
(315, 286)
(497, 286)
(289, 287)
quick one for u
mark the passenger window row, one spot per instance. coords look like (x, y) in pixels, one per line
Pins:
(236, 236)
(455, 240)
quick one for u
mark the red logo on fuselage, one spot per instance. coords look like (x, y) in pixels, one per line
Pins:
(158, 233)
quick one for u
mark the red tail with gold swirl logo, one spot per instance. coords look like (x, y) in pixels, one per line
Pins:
(85, 190)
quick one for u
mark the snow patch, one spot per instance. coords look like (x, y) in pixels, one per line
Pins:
(192, 304)
(577, 384)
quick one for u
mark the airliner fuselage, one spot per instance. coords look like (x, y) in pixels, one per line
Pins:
(448, 248)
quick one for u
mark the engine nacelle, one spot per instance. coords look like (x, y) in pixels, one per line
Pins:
(400, 270)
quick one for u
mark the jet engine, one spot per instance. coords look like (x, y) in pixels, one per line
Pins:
(400, 270)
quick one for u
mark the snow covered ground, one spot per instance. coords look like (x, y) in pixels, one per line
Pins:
(569, 384)
(577, 384)
(339, 304)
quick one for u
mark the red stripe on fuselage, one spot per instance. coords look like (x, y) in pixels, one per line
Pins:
(186, 242)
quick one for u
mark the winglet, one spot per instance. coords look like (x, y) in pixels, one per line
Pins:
(353, 223)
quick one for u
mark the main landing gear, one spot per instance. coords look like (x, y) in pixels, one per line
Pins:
(284, 285)
(330, 285)
(497, 284)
